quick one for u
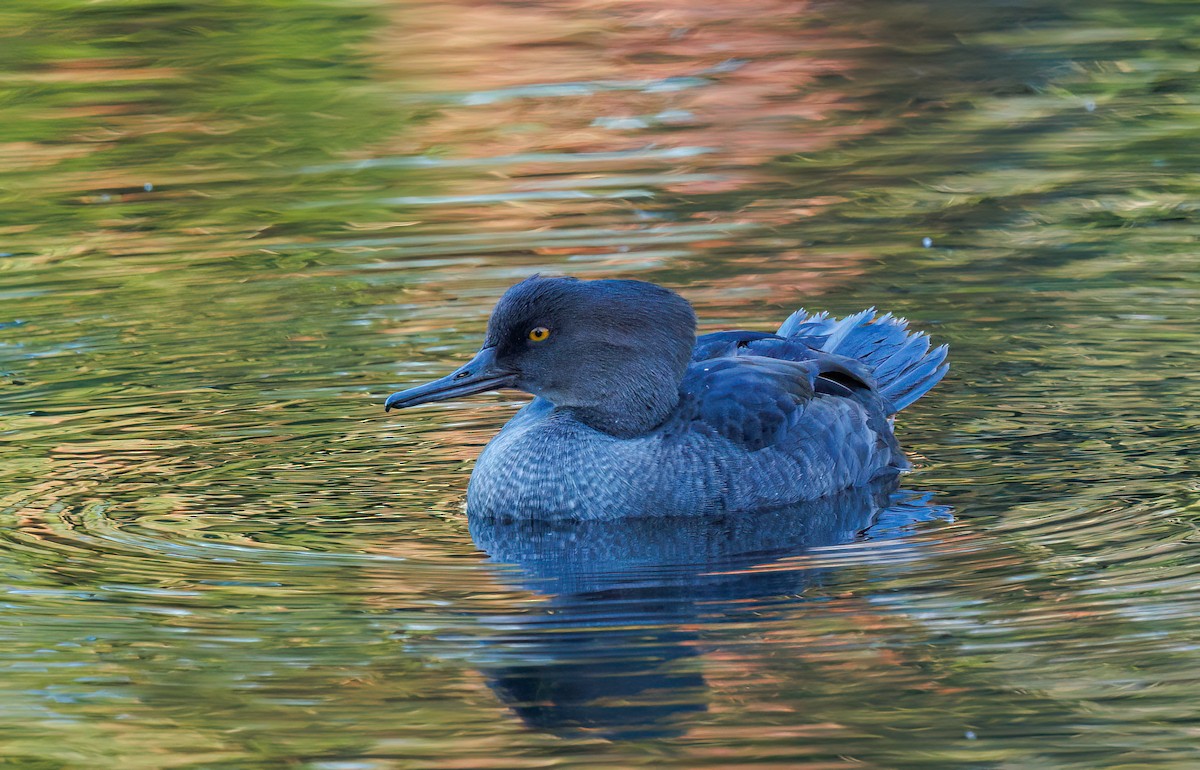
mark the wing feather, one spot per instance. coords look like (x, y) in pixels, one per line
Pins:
(754, 401)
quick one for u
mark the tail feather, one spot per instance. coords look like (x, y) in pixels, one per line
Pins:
(901, 361)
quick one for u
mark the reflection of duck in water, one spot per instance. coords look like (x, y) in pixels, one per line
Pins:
(614, 651)
(635, 414)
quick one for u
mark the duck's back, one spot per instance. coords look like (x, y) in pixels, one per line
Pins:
(763, 421)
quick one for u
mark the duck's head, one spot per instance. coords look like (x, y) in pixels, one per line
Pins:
(613, 352)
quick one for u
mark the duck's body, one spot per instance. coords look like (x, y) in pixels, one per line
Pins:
(637, 416)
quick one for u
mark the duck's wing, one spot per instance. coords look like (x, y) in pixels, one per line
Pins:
(899, 364)
(760, 401)
(792, 438)
(835, 374)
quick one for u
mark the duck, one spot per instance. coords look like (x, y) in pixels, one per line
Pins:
(635, 415)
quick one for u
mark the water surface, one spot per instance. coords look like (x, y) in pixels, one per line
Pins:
(227, 231)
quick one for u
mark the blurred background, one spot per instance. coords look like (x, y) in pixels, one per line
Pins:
(229, 229)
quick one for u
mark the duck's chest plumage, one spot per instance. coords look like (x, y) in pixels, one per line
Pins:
(546, 464)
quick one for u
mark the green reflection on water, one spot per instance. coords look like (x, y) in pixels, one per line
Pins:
(219, 553)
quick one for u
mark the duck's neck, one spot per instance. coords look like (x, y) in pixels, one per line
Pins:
(620, 423)
(630, 411)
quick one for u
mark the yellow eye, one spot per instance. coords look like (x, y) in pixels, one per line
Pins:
(539, 333)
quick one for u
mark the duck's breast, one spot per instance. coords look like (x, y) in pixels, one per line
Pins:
(546, 464)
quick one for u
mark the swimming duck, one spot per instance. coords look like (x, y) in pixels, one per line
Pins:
(634, 415)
